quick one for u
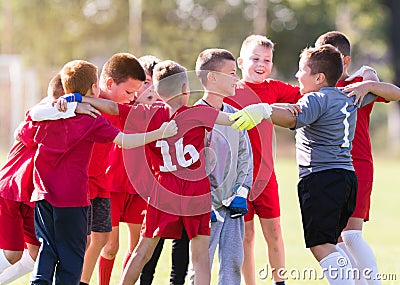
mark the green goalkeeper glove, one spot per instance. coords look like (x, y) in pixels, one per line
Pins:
(250, 116)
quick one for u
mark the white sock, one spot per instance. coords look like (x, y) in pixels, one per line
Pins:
(4, 263)
(18, 269)
(336, 269)
(363, 255)
(359, 279)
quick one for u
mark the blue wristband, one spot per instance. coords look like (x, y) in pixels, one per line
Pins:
(78, 97)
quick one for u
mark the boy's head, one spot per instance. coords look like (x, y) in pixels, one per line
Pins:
(319, 67)
(340, 41)
(255, 58)
(170, 80)
(216, 69)
(55, 89)
(146, 94)
(121, 77)
(80, 76)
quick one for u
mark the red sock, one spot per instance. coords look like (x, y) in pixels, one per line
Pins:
(105, 269)
(126, 259)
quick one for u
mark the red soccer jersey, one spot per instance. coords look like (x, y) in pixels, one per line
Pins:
(99, 181)
(362, 148)
(118, 178)
(16, 176)
(180, 156)
(270, 91)
(62, 158)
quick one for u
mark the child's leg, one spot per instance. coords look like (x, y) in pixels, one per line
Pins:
(201, 259)
(231, 251)
(335, 266)
(134, 235)
(271, 229)
(139, 258)
(98, 241)
(22, 267)
(100, 226)
(107, 257)
(363, 254)
(147, 275)
(47, 259)
(180, 259)
(70, 242)
(248, 268)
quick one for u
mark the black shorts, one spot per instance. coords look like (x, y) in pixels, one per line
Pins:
(99, 216)
(327, 200)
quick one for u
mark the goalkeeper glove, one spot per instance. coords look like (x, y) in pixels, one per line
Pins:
(250, 116)
(73, 97)
(237, 204)
(215, 216)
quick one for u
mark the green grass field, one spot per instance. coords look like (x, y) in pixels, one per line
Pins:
(381, 232)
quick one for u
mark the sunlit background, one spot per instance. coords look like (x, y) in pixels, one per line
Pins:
(39, 36)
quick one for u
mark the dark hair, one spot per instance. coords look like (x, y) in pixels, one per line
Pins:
(337, 39)
(121, 67)
(168, 78)
(148, 62)
(324, 59)
(78, 76)
(211, 60)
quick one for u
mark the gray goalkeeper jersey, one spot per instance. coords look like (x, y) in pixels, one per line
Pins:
(229, 160)
(325, 130)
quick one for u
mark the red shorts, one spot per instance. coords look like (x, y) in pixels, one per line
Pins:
(16, 224)
(266, 205)
(188, 206)
(363, 201)
(127, 208)
(170, 226)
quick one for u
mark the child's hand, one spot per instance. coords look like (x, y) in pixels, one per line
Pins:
(61, 104)
(292, 108)
(250, 116)
(358, 89)
(87, 109)
(169, 129)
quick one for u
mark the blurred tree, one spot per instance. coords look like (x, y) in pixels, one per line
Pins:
(50, 32)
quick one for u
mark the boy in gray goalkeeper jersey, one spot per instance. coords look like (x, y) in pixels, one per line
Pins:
(229, 165)
(324, 132)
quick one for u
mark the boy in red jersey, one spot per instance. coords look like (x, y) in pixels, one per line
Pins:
(64, 150)
(16, 212)
(121, 77)
(126, 205)
(255, 61)
(180, 193)
(357, 249)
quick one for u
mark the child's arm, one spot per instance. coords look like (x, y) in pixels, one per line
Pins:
(42, 112)
(104, 105)
(283, 115)
(167, 129)
(387, 91)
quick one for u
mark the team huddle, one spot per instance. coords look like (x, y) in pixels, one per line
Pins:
(126, 147)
